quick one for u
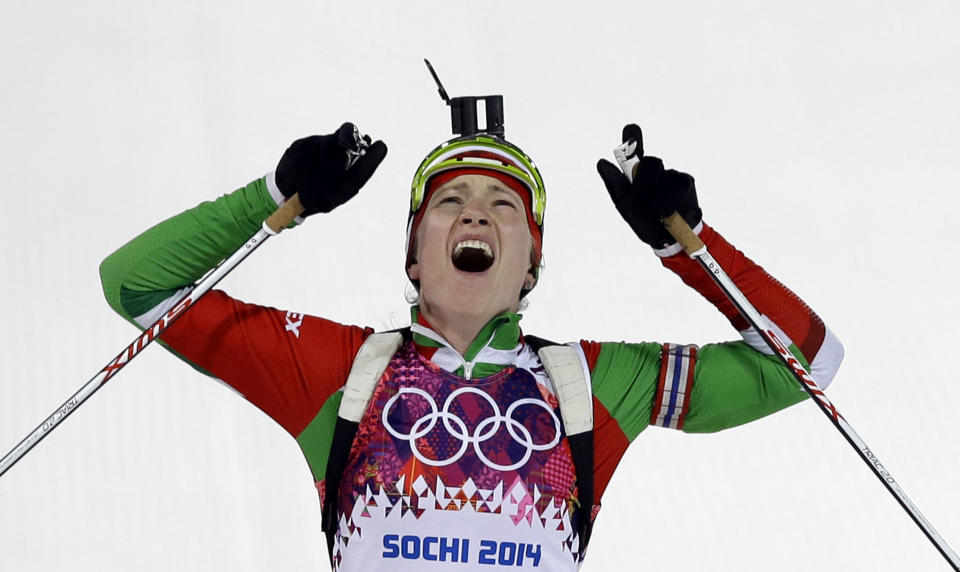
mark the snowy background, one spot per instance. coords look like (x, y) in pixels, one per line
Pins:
(824, 137)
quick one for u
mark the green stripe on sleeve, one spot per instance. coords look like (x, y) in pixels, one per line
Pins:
(316, 439)
(181, 249)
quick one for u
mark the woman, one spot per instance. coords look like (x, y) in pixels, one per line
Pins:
(461, 451)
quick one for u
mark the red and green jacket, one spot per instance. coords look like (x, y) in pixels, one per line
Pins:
(293, 367)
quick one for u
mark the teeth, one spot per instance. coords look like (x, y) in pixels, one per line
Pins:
(478, 244)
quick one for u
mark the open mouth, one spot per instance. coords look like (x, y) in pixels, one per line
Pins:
(472, 256)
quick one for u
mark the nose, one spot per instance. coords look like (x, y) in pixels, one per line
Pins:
(472, 213)
(467, 219)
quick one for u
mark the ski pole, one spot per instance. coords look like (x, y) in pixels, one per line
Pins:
(679, 229)
(280, 219)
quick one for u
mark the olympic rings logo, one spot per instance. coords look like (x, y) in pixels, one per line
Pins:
(456, 427)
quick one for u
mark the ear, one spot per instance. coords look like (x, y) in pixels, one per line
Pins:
(413, 271)
(529, 279)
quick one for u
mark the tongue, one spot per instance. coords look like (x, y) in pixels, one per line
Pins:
(472, 260)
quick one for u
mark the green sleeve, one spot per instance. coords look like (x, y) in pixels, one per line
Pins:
(175, 253)
(733, 384)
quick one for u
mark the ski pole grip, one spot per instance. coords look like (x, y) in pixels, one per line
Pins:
(285, 214)
(682, 233)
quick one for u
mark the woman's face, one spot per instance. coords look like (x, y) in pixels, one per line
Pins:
(472, 248)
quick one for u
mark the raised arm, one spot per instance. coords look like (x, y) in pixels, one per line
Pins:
(657, 192)
(260, 352)
(683, 386)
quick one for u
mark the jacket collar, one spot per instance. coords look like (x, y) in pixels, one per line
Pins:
(495, 347)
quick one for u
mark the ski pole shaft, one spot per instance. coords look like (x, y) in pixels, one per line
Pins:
(280, 219)
(696, 249)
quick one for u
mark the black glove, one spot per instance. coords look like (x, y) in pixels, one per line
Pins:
(654, 194)
(328, 170)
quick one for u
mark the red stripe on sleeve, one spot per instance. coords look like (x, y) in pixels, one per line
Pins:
(665, 358)
(592, 351)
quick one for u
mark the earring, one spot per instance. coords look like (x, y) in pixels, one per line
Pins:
(528, 285)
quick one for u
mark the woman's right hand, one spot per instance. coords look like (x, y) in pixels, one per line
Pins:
(328, 170)
(654, 194)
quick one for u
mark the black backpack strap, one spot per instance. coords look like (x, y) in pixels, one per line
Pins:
(343, 435)
(344, 432)
(581, 449)
(536, 343)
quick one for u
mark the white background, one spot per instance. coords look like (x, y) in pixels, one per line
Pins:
(824, 137)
